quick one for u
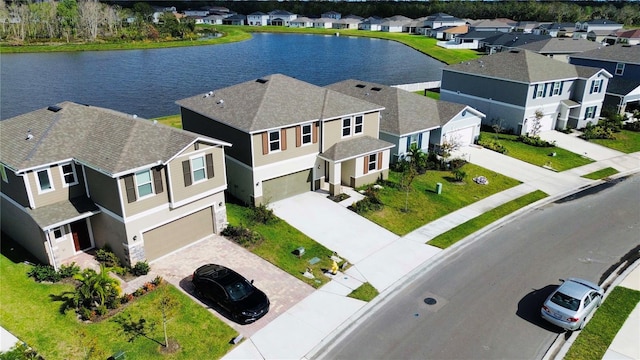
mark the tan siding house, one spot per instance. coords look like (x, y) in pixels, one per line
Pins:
(143, 189)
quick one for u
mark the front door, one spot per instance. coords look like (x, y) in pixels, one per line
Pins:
(80, 234)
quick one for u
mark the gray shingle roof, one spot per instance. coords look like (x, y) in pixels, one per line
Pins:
(405, 112)
(349, 149)
(104, 139)
(517, 65)
(620, 86)
(514, 39)
(629, 54)
(62, 211)
(560, 45)
(274, 101)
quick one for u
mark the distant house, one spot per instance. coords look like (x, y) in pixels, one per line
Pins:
(159, 11)
(392, 26)
(258, 19)
(623, 61)
(560, 48)
(235, 20)
(291, 137)
(629, 37)
(281, 17)
(470, 40)
(141, 188)
(448, 32)
(527, 27)
(213, 20)
(323, 23)
(346, 24)
(555, 29)
(410, 118)
(519, 89)
(196, 12)
(502, 25)
(595, 30)
(507, 41)
(331, 15)
(371, 24)
(301, 22)
(440, 20)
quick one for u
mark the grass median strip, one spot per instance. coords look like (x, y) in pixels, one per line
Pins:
(463, 230)
(594, 340)
(601, 174)
(366, 292)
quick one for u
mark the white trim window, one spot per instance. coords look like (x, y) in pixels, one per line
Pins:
(590, 113)
(60, 233)
(413, 139)
(373, 162)
(68, 172)
(3, 173)
(556, 88)
(274, 141)
(198, 169)
(346, 127)
(539, 91)
(44, 181)
(144, 184)
(306, 134)
(620, 68)
(358, 124)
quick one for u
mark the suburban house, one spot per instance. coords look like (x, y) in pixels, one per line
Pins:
(555, 29)
(560, 48)
(527, 27)
(392, 26)
(237, 19)
(323, 23)
(212, 20)
(410, 118)
(470, 40)
(159, 11)
(623, 61)
(301, 22)
(502, 25)
(371, 24)
(441, 19)
(141, 188)
(346, 24)
(331, 15)
(521, 90)
(281, 17)
(290, 137)
(508, 41)
(258, 19)
(629, 37)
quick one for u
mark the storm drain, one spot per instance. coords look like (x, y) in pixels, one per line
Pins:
(430, 301)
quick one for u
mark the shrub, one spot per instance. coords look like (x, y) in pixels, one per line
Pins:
(534, 141)
(492, 144)
(126, 298)
(597, 132)
(101, 310)
(140, 268)
(459, 175)
(139, 292)
(108, 258)
(86, 313)
(457, 163)
(157, 281)
(263, 214)
(148, 287)
(67, 271)
(44, 273)
(119, 270)
(633, 126)
(365, 205)
(242, 236)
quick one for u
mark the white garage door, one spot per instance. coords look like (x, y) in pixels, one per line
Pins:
(462, 136)
(177, 234)
(546, 123)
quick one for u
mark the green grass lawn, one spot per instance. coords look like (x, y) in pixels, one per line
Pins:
(404, 212)
(32, 312)
(626, 141)
(366, 292)
(540, 156)
(594, 340)
(280, 240)
(601, 174)
(171, 120)
(463, 230)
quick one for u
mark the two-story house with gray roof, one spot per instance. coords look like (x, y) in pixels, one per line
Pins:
(290, 137)
(623, 61)
(410, 118)
(513, 88)
(281, 17)
(76, 177)
(560, 48)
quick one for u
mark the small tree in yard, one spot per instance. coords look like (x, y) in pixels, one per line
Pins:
(167, 305)
(536, 124)
(450, 145)
(497, 126)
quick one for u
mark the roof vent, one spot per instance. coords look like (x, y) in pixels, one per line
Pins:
(29, 135)
(220, 102)
(210, 93)
(376, 88)
(360, 86)
(262, 81)
(514, 51)
(54, 108)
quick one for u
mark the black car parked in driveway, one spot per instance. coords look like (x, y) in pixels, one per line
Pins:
(229, 290)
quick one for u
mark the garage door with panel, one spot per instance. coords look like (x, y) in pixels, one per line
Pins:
(462, 136)
(286, 186)
(177, 234)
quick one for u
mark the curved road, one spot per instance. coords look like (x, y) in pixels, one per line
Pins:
(488, 295)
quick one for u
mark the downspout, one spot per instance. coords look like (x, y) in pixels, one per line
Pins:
(53, 256)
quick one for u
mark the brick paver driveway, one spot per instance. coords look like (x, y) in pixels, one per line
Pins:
(283, 290)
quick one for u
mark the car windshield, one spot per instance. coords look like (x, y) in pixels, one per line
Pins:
(239, 290)
(565, 301)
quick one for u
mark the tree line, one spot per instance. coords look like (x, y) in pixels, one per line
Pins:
(28, 21)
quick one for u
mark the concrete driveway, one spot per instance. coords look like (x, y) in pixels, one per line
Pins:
(576, 145)
(283, 290)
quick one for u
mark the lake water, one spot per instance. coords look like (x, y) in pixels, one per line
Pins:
(148, 82)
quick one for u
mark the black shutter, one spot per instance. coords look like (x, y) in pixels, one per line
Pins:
(535, 91)
(186, 172)
(130, 188)
(209, 159)
(157, 180)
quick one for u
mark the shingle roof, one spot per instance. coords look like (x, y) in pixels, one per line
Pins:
(514, 39)
(104, 139)
(473, 34)
(620, 86)
(272, 102)
(629, 34)
(405, 112)
(560, 45)
(349, 149)
(629, 54)
(517, 65)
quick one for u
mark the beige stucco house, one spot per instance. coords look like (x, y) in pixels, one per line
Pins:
(290, 137)
(75, 177)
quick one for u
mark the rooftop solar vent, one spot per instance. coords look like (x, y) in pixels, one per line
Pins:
(360, 86)
(54, 108)
(376, 89)
(262, 81)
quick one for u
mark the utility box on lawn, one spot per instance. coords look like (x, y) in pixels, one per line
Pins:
(438, 188)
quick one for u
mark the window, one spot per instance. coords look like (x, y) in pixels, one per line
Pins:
(619, 68)
(69, 174)
(346, 127)
(143, 183)
(306, 134)
(590, 113)
(60, 232)
(413, 139)
(358, 124)
(373, 161)
(197, 169)
(274, 140)
(3, 172)
(44, 181)
(556, 88)
(596, 86)
(538, 91)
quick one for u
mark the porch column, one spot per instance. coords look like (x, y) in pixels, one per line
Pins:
(335, 175)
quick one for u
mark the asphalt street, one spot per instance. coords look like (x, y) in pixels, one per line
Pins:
(487, 297)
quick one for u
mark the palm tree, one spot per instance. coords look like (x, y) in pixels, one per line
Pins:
(95, 288)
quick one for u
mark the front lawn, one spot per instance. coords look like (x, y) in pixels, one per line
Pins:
(32, 312)
(601, 174)
(171, 120)
(626, 141)
(539, 156)
(405, 211)
(594, 340)
(280, 240)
